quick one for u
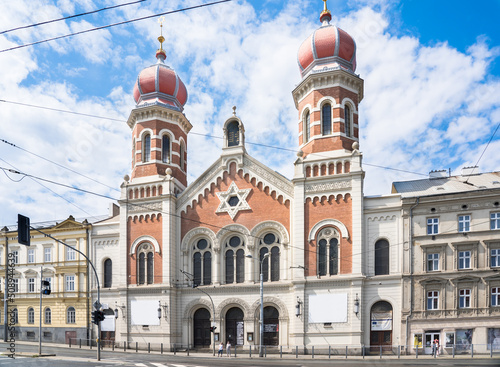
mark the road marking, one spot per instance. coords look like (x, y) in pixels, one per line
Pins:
(141, 365)
(158, 364)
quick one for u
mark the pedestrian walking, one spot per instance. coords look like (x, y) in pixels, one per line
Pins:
(221, 349)
(434, 348)
(436, 341)
(228, 348)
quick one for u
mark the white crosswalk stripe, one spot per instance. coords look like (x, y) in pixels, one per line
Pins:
(141, 365)
(158, 364)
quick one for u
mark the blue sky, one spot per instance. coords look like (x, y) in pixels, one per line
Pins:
(431, 72)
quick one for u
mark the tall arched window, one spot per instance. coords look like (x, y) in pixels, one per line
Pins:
(165, 149)
(48, 315)
(145, 264)
(326, 119)
(235, 253)
(347, 120)
(15, 316)
(133, 153)
(233, 134)
(328, 252)
(270, 267)
(183, 158)
(207, 268)
(202, 262)
(71, 315)
(306, 126)
(197, 268)
(381, 257)
(146, 148)
(31, 315)
(108, 267)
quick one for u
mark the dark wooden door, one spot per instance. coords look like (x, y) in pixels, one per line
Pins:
(202, 328)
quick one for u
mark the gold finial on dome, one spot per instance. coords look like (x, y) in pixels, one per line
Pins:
(325, 14)
(161, 38)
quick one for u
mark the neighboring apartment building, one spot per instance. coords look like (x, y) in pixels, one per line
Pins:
(452, 285)
(64, 311)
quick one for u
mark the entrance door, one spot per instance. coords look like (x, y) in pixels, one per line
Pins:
(271, 326)
(234, 326)
(429, 337)
(70, 335)
(202, 328)
(381, 327)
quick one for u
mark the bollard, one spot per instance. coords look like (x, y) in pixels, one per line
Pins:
(250, 353)
(346, 352)
(363, 349)
(296, 351)
(265, 352)
(491, 350)
(113, 346)
(90, 343)
(416, 355)
(161, 348)
(124, 346)
(281, 351)
(70, 342)
(174, 350)
(472, 350)
(188, 349)
(149, 347)
(329, 351)
(380, 352)
(399, 352)
(235, 353)
(136, 346)
(312, 353)
(80, 343)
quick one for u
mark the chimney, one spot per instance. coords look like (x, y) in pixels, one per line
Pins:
(468, 171)
(114, 210)
(438, 174)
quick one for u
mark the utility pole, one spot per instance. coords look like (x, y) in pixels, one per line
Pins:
(40, 327)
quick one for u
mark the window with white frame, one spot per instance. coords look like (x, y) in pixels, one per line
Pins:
(495, 220)
(464, 298)
(495, 257)
(432, 262)
(15, 285)
(31, 256)
(432, 300)
(15, 256)
(464, 259)
(31, 315)
(432, 226)
(31, 285)
(71, 315)
(48, 316)
(70, 283)
(47, 254)
(495, 296)
(70, 253)
(464, 223)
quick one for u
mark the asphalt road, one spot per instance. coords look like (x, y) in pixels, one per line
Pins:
(74, 357)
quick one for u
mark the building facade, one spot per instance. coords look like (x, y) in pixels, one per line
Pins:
(64, 312)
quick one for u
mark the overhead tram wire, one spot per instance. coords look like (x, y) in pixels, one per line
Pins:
(200, 134)
(70, 17)
(198, 221)
(114, 24)
(484, 150)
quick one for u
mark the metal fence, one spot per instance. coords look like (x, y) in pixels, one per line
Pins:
(317, 351)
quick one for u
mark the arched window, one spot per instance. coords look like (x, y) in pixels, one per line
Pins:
(146, 148)
(145, 264)
(381, 257)
(306, 126)
(347, 121)
(270, 267)
(133, 153)
(328, 252)
(165, 149)
(15, 316)
(202, 262)
(233, 134)
(31, 315)
(107, 273)
(48, 315)
(235, 253)
(71, 315)
(183, 158)
(326, 119)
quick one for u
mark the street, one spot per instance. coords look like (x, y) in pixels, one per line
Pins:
(83, 357)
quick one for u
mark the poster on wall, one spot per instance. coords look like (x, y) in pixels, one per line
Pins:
(417, 341)
(381, 321)
(144, 312)
(494, 338)
(463, 339)
(240, 337)
(328, 308)
(450, 340)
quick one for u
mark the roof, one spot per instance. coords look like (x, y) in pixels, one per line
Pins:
(447, 185)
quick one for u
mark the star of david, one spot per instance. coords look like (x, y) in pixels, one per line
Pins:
(233, 200)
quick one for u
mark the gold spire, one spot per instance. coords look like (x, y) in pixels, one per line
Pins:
(325, 9)
(325, 14)
(161, 38)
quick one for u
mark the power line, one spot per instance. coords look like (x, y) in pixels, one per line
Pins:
(484, 150)
(70, 16)
(113, 25)
(199, 134)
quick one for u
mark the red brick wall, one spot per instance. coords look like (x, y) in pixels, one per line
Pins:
(339, 208)
(263, 206)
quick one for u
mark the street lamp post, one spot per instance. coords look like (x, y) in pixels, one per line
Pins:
(261, 334)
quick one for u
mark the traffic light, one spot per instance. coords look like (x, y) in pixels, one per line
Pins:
(95, 317)
(101, 315)
(213, 328)
(45, 287)
(23, 230)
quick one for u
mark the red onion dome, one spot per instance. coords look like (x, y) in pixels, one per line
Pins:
(328, 47)
(159, 84)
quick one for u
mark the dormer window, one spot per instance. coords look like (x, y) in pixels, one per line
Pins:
(233, 134)
(326, 119)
